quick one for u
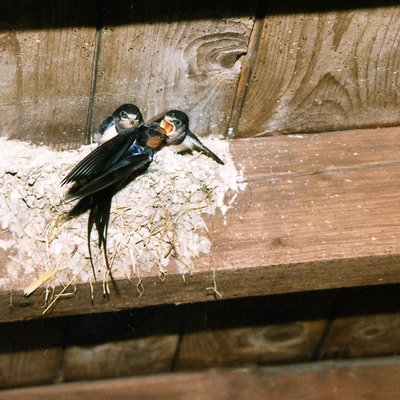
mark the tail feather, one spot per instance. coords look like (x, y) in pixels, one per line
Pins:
(101, 221)
(99, 216)
(194, 143)
(91, 220)
(83, 205)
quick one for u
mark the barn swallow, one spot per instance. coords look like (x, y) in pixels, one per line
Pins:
(124, 117)
(107, 170)
(176, 125)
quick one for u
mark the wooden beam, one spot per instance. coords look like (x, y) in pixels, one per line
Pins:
(231, 283)
(254, 331)
(32, 356)
(331, 381)
(113, 345)
(365, 323)
(319, 212)
(297, 327)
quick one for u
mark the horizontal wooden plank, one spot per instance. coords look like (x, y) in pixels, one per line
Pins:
(365, 323)
(114, 345)
(319, 211)
(233, 333)
(312, 197)
(375, 379)
(30, 356)
(235, 283)
(254, 331)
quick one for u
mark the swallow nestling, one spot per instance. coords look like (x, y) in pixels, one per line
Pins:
(105, 171)
(124, 117)
(176, 125)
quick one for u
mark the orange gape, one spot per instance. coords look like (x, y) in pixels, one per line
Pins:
(168, 128)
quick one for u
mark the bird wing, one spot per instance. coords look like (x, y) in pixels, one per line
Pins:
(106, 123)
(102, 158)
(194, 143)
(118, 175)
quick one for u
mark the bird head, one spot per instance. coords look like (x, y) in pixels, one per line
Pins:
(175, 124)
(127, 116)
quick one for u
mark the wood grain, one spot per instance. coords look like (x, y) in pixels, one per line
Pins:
(30, 357)
(320, 71)
(253, 331)
(365, 324)
(312, 197)
(301, 68)
(232, 333)
(231, 283)
(120, 358)
(114, 345)
(330, 381)
(364, 336)
(319, 211)
(177, 62)
(46, 72)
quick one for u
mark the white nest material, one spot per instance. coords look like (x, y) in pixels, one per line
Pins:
(155, 218)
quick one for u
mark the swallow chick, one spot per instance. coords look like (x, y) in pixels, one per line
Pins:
(176, 125)
(107, 170)
(124, 117)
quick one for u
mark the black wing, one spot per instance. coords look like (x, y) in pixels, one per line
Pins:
(102, 158)
(118, 175)
(194, 143)
(106, 123)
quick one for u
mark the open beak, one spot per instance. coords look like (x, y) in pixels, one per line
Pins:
(167, 126)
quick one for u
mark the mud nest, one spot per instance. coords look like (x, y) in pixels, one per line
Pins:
(155, 219)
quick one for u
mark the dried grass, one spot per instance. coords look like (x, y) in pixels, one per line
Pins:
(156, 218)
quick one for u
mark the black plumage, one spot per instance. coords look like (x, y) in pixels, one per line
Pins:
(176, 125)
(105, 171)
(125, 117)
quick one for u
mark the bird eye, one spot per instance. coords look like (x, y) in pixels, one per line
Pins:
(124, 114)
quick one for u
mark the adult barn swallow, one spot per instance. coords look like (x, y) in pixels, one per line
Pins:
(105, 171)
(176, 125)
(124, 117)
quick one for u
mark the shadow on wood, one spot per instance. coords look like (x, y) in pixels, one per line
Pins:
(268, 330)
(27, 14)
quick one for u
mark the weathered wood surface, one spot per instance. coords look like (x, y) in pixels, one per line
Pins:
(255, 68)
(114, 345)
(271, 329)
(331, 381)
(30, 356)
(99, 346)
(319, 211)
(47, 71)
(231, 283)
(309, 198)
(196, 336)
(326, 70)
(66, 67)
(364, 323)
(304, 327)
(173, 63)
